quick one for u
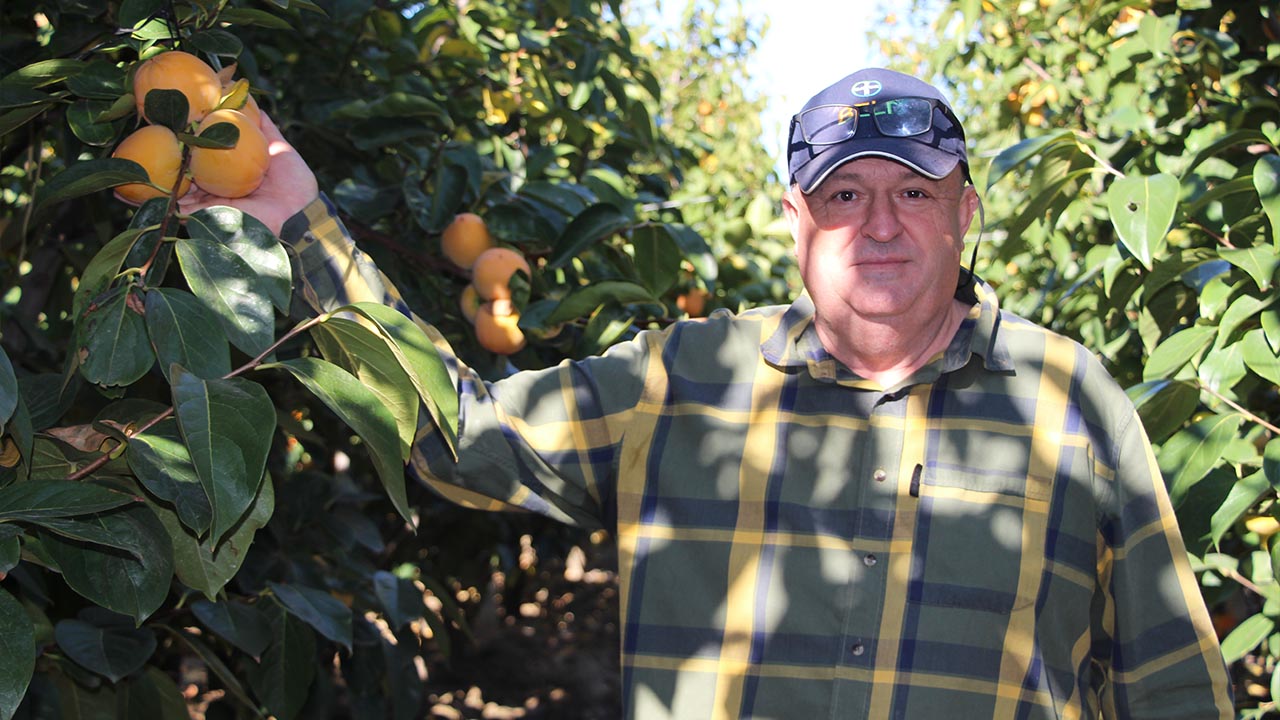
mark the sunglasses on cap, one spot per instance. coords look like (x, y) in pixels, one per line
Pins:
(899, 117)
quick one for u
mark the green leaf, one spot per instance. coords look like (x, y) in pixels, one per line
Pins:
(99, 79)
(1266, 180)
(218, 136)
(43, 72)
(363, 352)
(238, 623)
(657, 257)
(318, 609)
(590, 226)
(1260, 356)
(695, 250)
(254, 242)
(1163, 405)
(288, 667)
(35, 500)
(1189, 455)
(134, 12)
(1246, 636)
(8, 390)
(1243, 495)
(228, 426)
(208, 564)
(1015, 155)
(361, 410)
(420, 359)
(113, 650)
(10, 549)
(85, 177)
(391, 105)
(17, 654)
(584, 300)
(104, 267)
(216, 42)
(18, 117)
(250, 16)
(112, 340)
(167, 107)
(226, 678)
(184, 331)
(231, 288)
(1259, 261)
(83, 119)
(87, 531)
(1176, 350)
(122, 583)
(1142, 210)
(151, 694)
(162, 464)
(400, 598)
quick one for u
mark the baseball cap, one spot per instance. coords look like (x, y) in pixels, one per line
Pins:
(875, 113)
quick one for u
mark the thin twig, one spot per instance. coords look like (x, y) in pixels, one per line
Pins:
(1240, 409)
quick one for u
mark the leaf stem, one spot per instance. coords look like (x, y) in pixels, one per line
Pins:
(1240, 409)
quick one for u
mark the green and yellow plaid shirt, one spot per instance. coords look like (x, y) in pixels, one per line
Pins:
(989, 539)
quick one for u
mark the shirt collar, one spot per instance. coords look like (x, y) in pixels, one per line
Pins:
(795, 342)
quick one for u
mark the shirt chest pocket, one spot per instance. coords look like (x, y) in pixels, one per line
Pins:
(979, 541)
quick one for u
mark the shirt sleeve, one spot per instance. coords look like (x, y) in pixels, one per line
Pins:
(544, 441)
(1151, 627)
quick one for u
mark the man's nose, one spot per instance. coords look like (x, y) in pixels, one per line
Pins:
(881, 222)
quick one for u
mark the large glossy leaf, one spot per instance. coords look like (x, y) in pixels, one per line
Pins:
(695, 250)
(253, 242)
(401, 599)
(1246, 636)
(657, 257)
(1266, 180)
(1261, 356)
(1259, 261)
(318, 609)
(1141, 209)
(113, 650)
(584, 300)
(364, 352)
(185, 332)
(151, 694)
(1187, 456)
(228, 426)
(17, 653)
(231, 288)
(1243, 495)
(207, 564)
(1176, 350)
(1019, 153)
(1164, 405)
(162, 464)
(420, 359)
(133, 585)
(240, 624)
(112, 340)
(8, 390)
(283, 678)
(589, 227)
(104, 266)
(57, 499)
(85, 177)
(361, 410)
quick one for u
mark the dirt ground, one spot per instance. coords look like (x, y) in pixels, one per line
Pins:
(546, 649)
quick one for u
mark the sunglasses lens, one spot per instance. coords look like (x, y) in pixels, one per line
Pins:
(828, 124)
(904, 117)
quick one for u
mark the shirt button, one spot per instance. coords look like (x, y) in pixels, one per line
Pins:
(879, 475)
(869, 559)
(858, 649)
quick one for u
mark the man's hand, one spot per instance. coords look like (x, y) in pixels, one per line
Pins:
(288, 187)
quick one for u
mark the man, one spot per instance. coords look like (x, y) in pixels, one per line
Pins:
(888, 499)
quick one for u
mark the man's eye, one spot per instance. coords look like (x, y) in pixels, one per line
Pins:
(915, 194)
(845, 195)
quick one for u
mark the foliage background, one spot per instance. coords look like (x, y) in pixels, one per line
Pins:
(1127, 154)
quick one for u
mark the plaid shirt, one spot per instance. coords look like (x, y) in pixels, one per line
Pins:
(991, 538)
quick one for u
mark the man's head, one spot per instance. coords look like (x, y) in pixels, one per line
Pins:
(875, 113)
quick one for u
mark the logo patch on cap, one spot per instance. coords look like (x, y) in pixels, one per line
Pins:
(865, 88)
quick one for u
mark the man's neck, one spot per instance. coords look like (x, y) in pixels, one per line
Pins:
(886, 352)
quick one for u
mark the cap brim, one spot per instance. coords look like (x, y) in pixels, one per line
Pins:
(927, 160)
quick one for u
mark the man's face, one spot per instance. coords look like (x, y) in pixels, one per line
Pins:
(878, 242)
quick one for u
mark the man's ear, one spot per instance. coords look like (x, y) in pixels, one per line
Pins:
(968, 207)
(790, 208)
